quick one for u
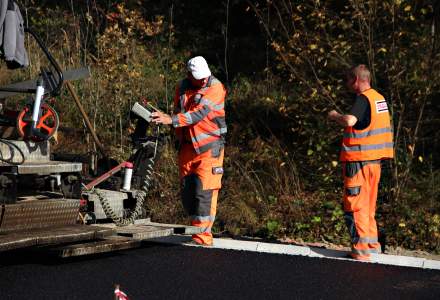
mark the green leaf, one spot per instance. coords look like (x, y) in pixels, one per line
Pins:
(316, 219)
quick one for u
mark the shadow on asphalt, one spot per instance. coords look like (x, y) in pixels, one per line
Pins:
(43, 257)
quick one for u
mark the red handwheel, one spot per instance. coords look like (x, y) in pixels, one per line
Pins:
(47, 124)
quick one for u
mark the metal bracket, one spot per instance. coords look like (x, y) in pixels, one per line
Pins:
(31, 85)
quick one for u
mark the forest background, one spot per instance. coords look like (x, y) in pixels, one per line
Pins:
(283, 63)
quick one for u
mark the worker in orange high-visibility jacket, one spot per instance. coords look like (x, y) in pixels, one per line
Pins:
(367, 140)
(200, 127)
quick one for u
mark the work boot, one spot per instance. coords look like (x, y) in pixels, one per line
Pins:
(359, 257)
(196, 240)
(203, 238)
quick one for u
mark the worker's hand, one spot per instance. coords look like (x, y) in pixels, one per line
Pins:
(161, 118)
(333, 115)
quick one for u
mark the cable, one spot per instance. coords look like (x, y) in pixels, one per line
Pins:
(141, 195)
(12, 145)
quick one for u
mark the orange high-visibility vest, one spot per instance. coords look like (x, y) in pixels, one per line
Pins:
(374, 142)
(202, 113)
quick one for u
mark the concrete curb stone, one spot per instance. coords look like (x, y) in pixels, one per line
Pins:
(385, 259)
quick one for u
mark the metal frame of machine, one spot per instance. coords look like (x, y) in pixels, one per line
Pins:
(74, 197)
(27, 161)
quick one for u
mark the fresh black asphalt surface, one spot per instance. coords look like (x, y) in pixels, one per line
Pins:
(177, 272)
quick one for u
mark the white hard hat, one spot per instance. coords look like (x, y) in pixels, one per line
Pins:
(198, 67)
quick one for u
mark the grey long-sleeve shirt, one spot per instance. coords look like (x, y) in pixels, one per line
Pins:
(12, 35)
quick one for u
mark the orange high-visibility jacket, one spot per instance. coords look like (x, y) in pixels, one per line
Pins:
(374, 142)
(202, 111)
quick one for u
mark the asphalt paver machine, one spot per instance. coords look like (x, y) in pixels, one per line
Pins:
(46, 200)
(25, 156)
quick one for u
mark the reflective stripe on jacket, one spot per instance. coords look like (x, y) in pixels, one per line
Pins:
(202, 112)
(375, 141)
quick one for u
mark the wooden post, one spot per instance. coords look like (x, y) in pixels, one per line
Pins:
(86, 119)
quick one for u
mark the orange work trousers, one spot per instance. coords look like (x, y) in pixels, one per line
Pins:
(200, 176)
(361, 181)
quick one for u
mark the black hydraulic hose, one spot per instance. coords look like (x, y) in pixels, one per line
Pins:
(10, 160)
(141, 195)
(51, 59)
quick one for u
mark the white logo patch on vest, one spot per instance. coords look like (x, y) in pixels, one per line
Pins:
(217, 170)
(381, 106)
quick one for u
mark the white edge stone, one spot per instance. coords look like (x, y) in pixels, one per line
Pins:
(283, 249)
(385, 259)
(235, 245)
(396, 260)
(431, 264)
